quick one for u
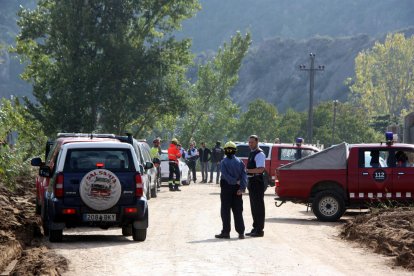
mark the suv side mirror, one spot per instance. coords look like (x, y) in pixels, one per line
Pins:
(45, 171)
(36, 162)
(149, 165)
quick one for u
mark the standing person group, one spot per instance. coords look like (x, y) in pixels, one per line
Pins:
(217, 154)
(232, 183)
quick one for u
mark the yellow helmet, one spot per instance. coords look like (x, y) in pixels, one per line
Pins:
(229, 145)
(174, 141)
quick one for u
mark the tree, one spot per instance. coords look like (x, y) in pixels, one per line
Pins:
(261, 119)
(384, 77)
(100, 65)
(16, 122)
(352, 125)
(291, 125)
(212, 113)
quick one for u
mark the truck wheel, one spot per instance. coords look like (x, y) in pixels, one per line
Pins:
(38, 207)
(127, 230)
(154, 190)
(139, 234)
(328, 206)
(148, 194)
(55, 235)
(45, 219)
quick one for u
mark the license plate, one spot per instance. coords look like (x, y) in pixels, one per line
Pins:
(99, 217)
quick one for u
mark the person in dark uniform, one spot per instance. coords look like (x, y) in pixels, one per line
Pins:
(255, 169)
(233, 185)
(217, 154)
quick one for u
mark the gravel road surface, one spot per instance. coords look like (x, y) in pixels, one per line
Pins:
(181, 241)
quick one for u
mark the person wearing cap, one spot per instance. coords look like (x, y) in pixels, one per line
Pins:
(173, 156)
(233, 184)
(256, 186)
(217, 154)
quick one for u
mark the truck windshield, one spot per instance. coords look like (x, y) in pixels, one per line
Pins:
(79, 160)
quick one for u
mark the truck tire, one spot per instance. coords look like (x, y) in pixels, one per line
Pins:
(139, 234)
(38, 207)
(154, 190)
(45, 219)
(328, 205)
(127, 230)
(55, 235)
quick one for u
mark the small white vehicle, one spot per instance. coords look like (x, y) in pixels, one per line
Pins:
(165, 170)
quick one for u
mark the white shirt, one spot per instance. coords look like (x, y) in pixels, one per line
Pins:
(260, 160)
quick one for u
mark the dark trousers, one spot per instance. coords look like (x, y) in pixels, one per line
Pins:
(256, 195)
(174, 170)
(204, 170)
(231, 201)
(192, 167)
(215, 166)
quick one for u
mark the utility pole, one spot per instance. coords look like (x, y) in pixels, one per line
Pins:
(311, 70)
(335, 104)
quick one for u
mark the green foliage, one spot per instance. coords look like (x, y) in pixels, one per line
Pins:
(352, 125)
(292, 125)
(261, 119)
(15, 160)
(211, 112)
(384, 77)
(104, 65)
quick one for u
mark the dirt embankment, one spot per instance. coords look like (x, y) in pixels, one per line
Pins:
(21, 249)
(387, 231)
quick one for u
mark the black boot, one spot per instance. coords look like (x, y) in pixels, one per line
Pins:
(176, 188)
(170, 185)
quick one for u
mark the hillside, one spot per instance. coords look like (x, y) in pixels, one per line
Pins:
(299, 19)
(271, 70)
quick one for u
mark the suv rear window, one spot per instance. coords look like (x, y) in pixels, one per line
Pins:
(80, 160)
(244, 151)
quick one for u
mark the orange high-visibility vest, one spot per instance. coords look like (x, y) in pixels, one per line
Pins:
(173, 153)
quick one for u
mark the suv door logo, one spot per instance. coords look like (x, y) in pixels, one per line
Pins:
(100, 189)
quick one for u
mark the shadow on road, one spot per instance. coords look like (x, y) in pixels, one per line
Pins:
(214, 240)
(90, 241)
(304, 221)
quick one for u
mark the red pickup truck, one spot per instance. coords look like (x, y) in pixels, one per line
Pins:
(348, 176)
(277, 155)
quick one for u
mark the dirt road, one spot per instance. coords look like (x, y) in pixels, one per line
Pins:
(181, 241)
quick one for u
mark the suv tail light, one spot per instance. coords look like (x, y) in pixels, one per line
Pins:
(139, 186)
(59, 185)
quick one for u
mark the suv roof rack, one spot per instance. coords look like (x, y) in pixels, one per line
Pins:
(91, 135)
(124, 139)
